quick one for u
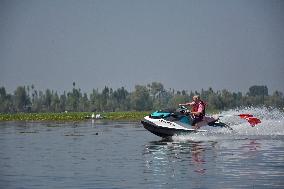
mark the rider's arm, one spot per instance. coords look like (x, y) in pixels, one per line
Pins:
(187, 104)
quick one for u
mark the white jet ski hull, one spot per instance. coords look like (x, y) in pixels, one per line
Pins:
(164, 128)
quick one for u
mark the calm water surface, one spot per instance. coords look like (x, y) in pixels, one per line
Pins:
(124, 155)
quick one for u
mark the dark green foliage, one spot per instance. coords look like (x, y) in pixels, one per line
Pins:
(144, 98)
(140, 99)
(258, 91)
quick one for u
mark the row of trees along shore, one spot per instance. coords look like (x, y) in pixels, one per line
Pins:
(149, 97)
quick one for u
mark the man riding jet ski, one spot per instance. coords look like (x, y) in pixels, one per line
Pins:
(197, 112)
(170, 123)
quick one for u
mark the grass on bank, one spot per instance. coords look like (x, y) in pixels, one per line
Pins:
(72, 116)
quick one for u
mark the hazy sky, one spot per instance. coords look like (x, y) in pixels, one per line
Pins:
(189, 45)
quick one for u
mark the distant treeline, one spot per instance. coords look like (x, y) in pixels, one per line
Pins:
(144, 98)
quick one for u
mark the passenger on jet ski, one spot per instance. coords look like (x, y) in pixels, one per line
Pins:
(197, 110)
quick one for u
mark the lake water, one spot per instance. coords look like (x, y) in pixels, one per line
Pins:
(124, 155)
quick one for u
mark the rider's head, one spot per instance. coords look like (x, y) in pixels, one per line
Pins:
(196, 98)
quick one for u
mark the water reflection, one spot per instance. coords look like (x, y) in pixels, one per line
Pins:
(198, 157)
(252, 146)
(169, 157)
(204, 163)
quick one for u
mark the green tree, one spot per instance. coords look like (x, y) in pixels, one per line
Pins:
(227, 99)
(21, 99)
(73, 99)
(140, 99)
(63, 102)
(177, 99)
(256, 90)
(84, 103)
(156, 89)
(119, 100)
(47, 100)
(94, 101)
(6, 103)
(55, 103)
(160, 96)
(38, 101)
(104, 98)
(276, 100)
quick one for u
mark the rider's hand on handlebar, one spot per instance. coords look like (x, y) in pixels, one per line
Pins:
(187, 111)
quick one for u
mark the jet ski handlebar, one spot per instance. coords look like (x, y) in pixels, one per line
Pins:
(183, 109)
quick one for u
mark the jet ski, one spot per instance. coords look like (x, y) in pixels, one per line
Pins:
(168, 123)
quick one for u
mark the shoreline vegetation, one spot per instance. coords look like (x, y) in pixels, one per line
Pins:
(27, 103)
(73, 116)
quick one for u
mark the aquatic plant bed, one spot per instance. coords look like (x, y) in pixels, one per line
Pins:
(72, 116)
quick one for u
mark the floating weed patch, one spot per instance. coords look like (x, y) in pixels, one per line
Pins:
(72, 116)
(72, 134)
(28, 132)
(44, 116)
(129, 116)
(53, 126)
